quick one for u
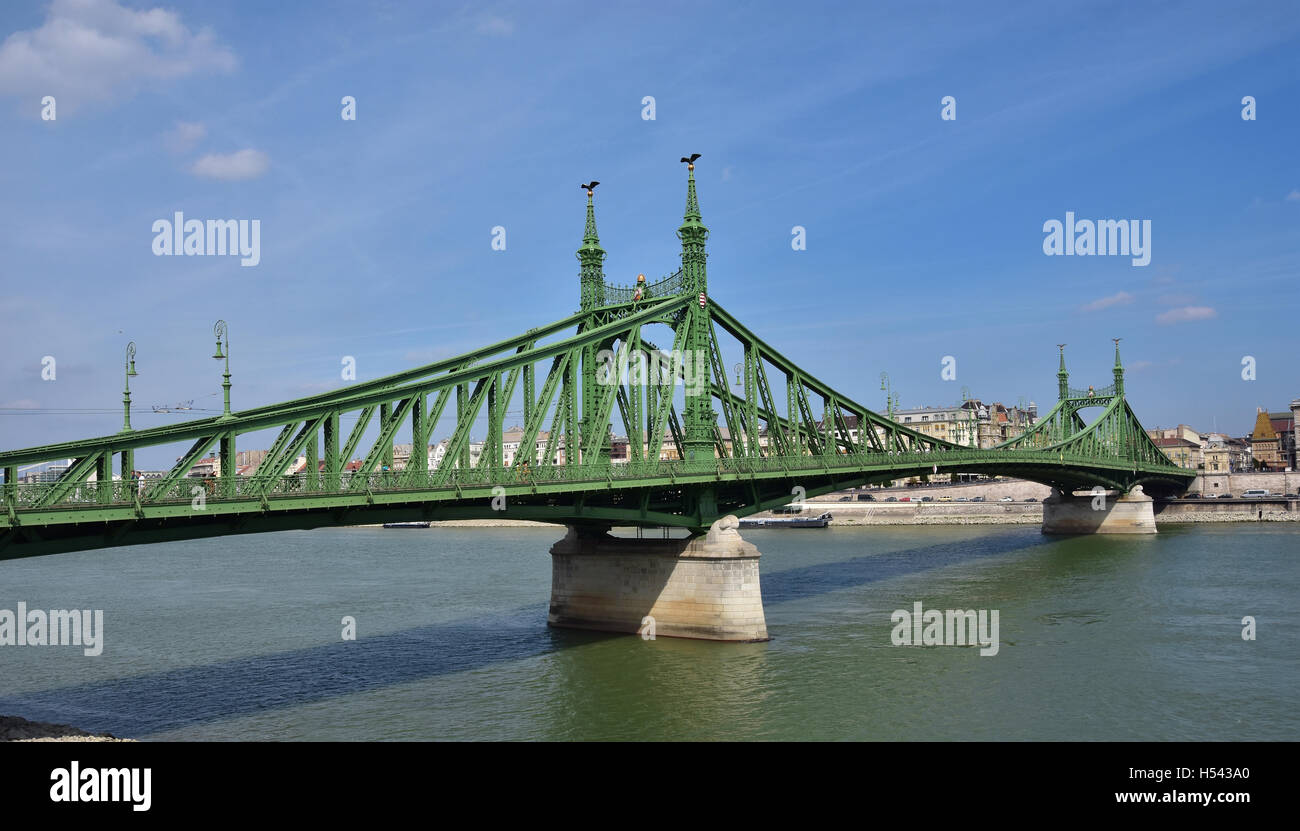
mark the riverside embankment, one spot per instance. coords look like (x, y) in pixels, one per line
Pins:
(992, 511)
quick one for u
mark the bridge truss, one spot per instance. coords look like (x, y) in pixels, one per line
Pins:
(731, 448)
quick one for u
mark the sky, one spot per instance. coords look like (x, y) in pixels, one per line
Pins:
(924, 235)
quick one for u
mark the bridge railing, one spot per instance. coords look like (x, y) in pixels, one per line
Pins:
(33, 496)
(1103, 392)
(665, 287)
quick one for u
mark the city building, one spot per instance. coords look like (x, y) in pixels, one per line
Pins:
(1273, 441)
(1295, 433)
(204, 468)
(1182, 431)
(51, 473)
(1182, 452)
(1222, 454)
(971, 423)
(249, 458)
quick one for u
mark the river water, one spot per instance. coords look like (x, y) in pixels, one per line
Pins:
(1104, 638)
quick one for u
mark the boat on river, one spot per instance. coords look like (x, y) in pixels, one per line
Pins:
(788, 522)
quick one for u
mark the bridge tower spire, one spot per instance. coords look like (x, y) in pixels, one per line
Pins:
(1119, 370)
(592, 278)
(1062, 377)
(592, 257)
(698, 416)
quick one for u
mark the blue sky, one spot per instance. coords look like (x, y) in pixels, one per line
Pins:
(924, 236)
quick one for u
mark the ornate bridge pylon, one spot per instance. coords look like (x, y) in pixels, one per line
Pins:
(731, 450)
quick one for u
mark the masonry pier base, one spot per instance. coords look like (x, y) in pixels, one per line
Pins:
(704, 586)
(1108, 513)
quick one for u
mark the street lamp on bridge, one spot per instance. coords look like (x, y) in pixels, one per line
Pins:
(891, 400)
(223, 338)
(126, 391)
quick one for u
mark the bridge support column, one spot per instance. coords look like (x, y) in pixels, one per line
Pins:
(701, 587)
(1109, 513)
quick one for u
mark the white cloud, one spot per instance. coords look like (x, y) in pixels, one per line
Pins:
(97, 51)
(1293, 196)
(1123, 298)
(242, 164)
(183, 137)
(1185, 314)
(499, 26)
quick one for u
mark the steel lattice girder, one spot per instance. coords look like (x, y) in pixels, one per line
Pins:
(1113, 451)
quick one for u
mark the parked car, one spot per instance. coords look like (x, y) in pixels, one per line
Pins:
(945, 499)
(927, 499)
(1191, 496)
(1255, 493)
(962, 499)
(891, 499)
(977, 499)
(846, 499)
(904, 499)
(1290, 496)
(1031, 499)
(1006, 499)
(1225, 496)
(866, 497)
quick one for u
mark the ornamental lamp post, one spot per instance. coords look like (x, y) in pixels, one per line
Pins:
(129, 367)
(891, 401)
(223, 338)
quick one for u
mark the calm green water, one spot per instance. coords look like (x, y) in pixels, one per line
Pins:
(239, 638)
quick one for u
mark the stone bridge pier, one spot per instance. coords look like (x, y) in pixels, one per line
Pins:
(705, 586)
(1109, 512)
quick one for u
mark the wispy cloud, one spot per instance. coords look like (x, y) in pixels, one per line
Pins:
(98, 51)
(230, 167)
(1122, 298)
(494, 25)
(1293, 196)
(1186, 314)
(184, 136)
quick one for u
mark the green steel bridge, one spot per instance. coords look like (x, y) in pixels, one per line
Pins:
(573, 380)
